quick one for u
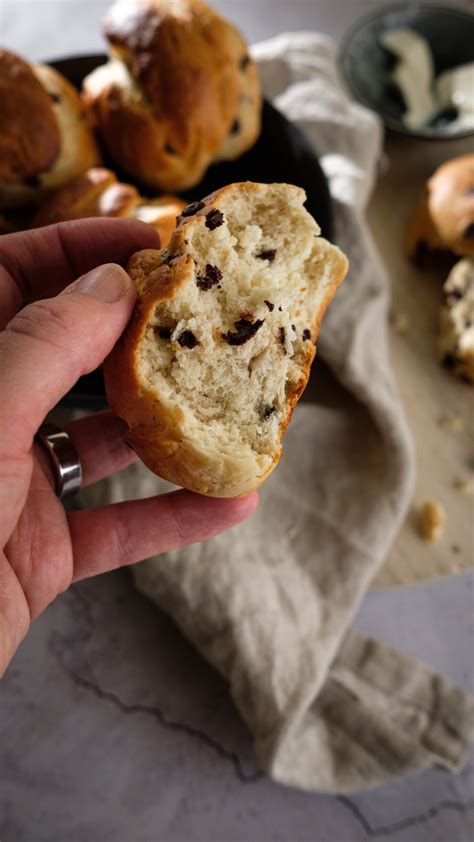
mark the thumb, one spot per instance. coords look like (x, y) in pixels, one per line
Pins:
(50, 344)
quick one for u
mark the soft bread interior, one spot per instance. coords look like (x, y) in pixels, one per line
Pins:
(230, 349)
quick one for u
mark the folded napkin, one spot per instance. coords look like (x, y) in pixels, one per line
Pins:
(270, 602)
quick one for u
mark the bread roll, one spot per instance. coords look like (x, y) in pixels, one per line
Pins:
(44, 138)
(220, 345)
(456, 343)
(98, 193)
(180, 90)
(444, 217)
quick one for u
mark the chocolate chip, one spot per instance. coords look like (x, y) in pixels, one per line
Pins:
(244, 62)
(170, 150)
(213, 276)
(269, 305)
(191, 209)
(164, 332)
(265, 411)
(306, 334)
(168, 256)
(267, 255)
(33, 181)
(449, 361)
(293, 328)
(54, 97)
(244, 330)
(421, 252)
(235, 127)
(453, 297)
(469, 232)
(214, 219)
(282, 337)
(187, 339)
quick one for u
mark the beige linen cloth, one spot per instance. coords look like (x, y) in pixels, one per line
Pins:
(269, 603)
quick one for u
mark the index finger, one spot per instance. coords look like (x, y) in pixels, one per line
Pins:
(45, 260)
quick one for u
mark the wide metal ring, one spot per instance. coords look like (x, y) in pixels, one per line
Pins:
(64, 458)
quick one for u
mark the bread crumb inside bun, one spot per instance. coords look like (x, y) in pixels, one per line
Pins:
(220, 345)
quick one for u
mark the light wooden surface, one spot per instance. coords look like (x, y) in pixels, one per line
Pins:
(429, 392)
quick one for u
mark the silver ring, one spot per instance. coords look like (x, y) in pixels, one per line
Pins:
(64, 458)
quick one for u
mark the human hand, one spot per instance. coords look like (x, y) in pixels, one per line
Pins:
(44, 348)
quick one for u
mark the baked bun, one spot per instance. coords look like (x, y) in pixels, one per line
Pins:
(44, 139)
(444, 217)
(98, 193)
(457, 321)
(180, 90)
(221, 341)
(95, 193)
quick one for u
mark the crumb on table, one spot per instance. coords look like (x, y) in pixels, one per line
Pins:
(432, 518)
(400, 322)
(451, 422)
(292, 532)
(464, 485)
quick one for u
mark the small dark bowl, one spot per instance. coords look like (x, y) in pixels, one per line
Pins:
(366, 65)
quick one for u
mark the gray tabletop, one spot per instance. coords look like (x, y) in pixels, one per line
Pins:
(113, 728)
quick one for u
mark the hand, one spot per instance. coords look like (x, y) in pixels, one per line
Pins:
(44, 349)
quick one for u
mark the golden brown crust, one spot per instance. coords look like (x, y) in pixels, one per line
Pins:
(155, 433)
(188, 75)
(29, 135)
(95, 193)
(77, 149)
(98, 193)
(444, 217)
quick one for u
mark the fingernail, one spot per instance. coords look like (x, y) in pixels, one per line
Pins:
(109, 283)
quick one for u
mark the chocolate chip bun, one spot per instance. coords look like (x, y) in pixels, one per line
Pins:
(221, 341)
(99, 193)
(444, 217)
(456, 343)
(44, 138)
(180, 91)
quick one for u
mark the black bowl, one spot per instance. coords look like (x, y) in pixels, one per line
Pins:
(281, 154)
(366, 64)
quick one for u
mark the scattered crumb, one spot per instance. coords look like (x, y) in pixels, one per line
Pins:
(465, 486)
(431, 520)
(455, 549)
(292, 531)
(451, 423)
(400, 322)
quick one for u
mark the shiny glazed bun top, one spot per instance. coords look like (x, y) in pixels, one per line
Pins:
(29, 133)
(44, 138)
(444, 217)
(179, 90)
